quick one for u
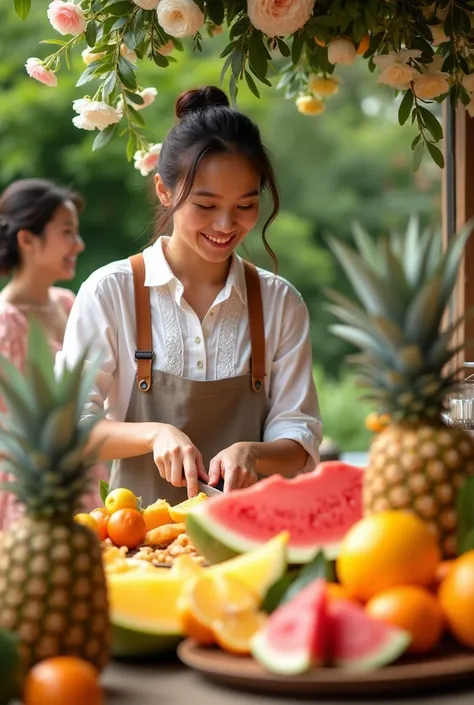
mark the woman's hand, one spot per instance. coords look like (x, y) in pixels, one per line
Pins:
(236, 465)
(178, 460)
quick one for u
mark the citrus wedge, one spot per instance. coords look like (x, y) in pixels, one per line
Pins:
(209, 598)
(234, 632)
(156, 514)
(179, 512)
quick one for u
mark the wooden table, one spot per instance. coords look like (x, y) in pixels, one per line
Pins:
(172, 684)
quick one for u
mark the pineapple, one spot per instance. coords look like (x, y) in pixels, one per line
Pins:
(417, 463)
(52, 585)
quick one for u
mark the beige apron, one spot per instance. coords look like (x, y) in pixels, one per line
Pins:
(214, 414)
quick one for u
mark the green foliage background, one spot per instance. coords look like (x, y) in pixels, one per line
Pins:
(351, 163)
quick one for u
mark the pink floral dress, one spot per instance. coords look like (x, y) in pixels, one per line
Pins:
(13, 346)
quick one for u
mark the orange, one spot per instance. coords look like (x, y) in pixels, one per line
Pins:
(456, 597)
(234, 632)
(442, 571)
(209, 599)
(320, 42)
(377, 422)
(120, 498)
(414, 609)
(102, 516)
(339, 592)
(363, 45)
(63, 679)
(385, 550)
(87, 520)
(157, 514)
(127, 527)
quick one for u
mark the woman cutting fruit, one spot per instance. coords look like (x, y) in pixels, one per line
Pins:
(205, 366)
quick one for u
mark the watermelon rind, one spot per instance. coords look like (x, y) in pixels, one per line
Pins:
(275, 661)
(130, 642)
(217, 543)
(396, 644)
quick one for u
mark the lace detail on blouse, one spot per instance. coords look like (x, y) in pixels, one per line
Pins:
(225, 362)
(174, 362)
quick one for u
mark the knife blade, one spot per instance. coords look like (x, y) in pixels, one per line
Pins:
(208, 490)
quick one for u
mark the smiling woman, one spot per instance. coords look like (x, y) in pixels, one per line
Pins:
(205, 360)
(39, 245)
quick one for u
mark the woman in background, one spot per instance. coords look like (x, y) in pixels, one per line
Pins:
(39, 245)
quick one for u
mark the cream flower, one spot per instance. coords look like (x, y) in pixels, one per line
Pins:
(148, 95)
(147, 160)
(309, 105)
(35, 69)
(166, 49)
(128, 54)
(94, 114)
(146, 4)
(89, 56)
(439, 37)
(430, 85)
(396, 72)
(180, 18)
(323, 85)
(341, 51)
(468, 82)
(66, 17)
(279, 18)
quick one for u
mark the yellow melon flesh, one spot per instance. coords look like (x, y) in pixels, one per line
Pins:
(179, 512)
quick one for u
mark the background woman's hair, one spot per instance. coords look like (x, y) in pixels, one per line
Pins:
(208, 125)
(28, 204)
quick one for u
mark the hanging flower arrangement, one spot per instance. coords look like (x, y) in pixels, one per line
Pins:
(422, 49)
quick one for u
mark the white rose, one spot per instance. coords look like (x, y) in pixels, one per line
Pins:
(147, 160)
(148, 95)
(341, 51)
(430, 85)
(397, 76)
(94, 114)
(146, 4)
(394, 57)
(279, 18)
(180, 18)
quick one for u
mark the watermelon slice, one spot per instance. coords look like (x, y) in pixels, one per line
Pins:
(357, 641)
(293, 639)
(317, 508)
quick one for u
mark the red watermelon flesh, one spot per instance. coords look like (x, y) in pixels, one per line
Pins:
(293, 639)
(357, 641)
(317, 508)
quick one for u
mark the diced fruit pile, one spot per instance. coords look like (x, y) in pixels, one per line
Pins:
(157, 533)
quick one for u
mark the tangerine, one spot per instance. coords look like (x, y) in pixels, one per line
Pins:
(456, 597)
(384, 550)
(363, 45)
(120, 498)
(414, 609)
(102, 516)
(63, 679)
(126, 527)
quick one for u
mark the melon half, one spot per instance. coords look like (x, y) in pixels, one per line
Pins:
(316, 508)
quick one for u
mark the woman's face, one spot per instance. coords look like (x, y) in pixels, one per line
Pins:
(54, 255)
(221, 209)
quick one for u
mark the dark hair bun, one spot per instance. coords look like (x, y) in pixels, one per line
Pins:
(199, 99)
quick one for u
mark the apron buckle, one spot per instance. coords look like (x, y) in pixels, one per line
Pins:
(257, 384)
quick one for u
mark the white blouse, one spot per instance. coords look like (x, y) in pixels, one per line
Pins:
(103, 317)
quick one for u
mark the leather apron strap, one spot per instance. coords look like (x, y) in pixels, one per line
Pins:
(144, 353)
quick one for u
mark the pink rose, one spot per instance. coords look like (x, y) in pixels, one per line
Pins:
(278, 18)
(66, 17)
(35, 68)
(167, 48)
(147, 160)
(180, 18)
(148, 95)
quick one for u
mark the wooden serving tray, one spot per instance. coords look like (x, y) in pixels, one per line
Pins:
(450, 664)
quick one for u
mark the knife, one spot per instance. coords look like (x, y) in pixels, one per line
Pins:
(208, 490)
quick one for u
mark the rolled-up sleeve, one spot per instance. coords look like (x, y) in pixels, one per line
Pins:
(91, 326)
(293, 408)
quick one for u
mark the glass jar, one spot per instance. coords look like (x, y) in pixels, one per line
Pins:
(460, 402)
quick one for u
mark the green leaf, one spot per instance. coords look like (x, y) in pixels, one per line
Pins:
(237, 62)
(130, 146)
(56, 42)
(160, 60)
(119, 8)
(297, 47)
(104, 137)
(276, 592)
(22, 8)
(405, 107)
(465, 511)
(59, 429)
(108, 85)
(316, 568)
(103, 490)
(251, 84)
(91, 33)
(436, 154)
(431, 123)
(134, 98)
(126, 73)
(283, 47)
(215, 11)
(418, 155)
(366, 246)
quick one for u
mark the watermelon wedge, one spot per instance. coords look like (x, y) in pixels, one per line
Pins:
(359, 642)
(317, 508)
(293, 639)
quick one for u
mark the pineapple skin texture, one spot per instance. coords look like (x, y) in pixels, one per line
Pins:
(420, 468)
(53, 591)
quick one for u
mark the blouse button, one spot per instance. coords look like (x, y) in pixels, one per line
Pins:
(197, 339)
(200, 364)
(211, 313)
